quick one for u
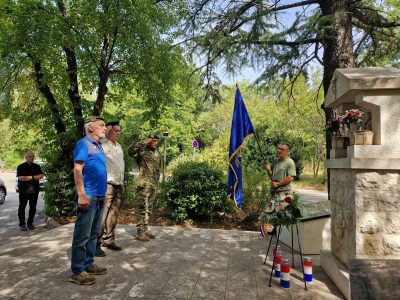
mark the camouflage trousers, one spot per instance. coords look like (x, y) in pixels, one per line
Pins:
(146, 196)
(110, 215)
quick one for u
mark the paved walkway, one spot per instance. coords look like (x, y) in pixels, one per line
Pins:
(180, 264)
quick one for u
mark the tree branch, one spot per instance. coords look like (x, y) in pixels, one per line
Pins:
(364, 19)
(48, 95)
(72, 69)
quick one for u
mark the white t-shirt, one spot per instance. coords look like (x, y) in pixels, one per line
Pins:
(115, 162)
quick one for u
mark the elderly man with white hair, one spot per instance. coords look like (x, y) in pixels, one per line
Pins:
(90, 174)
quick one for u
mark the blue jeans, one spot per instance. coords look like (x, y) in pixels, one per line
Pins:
(86, 230)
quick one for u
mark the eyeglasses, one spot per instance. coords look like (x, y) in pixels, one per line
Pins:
(31, 156)
(281, 148)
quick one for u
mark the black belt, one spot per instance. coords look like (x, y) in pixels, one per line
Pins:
(115, 185)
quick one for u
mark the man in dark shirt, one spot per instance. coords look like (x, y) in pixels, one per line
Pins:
(28, 174)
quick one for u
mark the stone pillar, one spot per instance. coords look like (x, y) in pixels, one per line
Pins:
(365, 212)
(365, 179)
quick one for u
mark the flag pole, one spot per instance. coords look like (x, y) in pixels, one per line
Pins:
(263, 155)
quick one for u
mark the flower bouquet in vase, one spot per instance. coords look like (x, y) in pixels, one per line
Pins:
(359, 136)
(352, 116)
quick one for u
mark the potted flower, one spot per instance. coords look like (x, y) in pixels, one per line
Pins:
(339, 133)
(355, 117)
(352, 116)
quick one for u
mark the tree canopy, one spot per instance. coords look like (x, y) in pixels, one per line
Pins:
(75, 51)
(284, 37)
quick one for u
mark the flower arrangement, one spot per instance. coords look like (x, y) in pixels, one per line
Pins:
(283, 209)
(352, 116)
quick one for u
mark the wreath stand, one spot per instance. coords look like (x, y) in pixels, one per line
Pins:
(276, 245)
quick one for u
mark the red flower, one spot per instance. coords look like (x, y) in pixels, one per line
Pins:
(288, 199)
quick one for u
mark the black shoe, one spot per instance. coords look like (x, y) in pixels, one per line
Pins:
(31, 227)
(99, 252)
(113, 247)
(23, 227)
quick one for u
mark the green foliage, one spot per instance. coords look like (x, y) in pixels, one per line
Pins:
(274, 122)
(16, 141)
(129, 195)
(124, 44)
(270, 148)
(196, 191)
(59, 187)
(256, 190)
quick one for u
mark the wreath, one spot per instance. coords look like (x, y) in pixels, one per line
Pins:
(283, 209)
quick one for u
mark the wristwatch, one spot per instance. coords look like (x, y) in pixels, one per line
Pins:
(33, 177)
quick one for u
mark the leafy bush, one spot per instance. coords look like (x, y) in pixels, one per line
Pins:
(129, 197)
(196, 191)
(59, 187)
(256, 190)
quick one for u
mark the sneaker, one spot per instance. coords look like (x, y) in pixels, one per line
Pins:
(113, 247)
(99, 252)
(31, 227)
(149, 235)
(96, 270)
(142, 237)
(83, 278)
(23, 227)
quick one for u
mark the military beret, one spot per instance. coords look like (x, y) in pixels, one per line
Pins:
(112, 123)
(153, 136)
(93, 119)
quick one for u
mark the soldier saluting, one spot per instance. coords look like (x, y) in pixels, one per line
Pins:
(148, 159)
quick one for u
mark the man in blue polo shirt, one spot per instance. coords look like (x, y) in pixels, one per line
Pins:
(90, 174)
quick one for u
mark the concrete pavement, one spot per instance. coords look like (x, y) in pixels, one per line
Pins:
(181, 263)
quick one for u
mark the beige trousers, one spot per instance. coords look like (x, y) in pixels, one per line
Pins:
(110, 215)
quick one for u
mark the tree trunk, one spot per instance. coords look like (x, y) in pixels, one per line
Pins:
(48, 95)
(101, 94)
(103, 78)
(338, 47)
(72, 69)
(338, 51)
(66, 147)
(73, 89)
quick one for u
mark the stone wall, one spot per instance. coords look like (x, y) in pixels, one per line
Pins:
(365, 214)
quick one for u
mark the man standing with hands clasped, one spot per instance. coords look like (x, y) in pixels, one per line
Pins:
(115, 188)
(28, 174)
(282, 171)
(90, 174)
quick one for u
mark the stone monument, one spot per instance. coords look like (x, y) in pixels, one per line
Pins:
(365, 179)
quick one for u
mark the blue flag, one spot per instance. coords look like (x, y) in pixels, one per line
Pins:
(241, 127)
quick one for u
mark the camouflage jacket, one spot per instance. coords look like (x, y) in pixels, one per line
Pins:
(148, 161)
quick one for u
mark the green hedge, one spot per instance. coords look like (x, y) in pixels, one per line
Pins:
(196, 191)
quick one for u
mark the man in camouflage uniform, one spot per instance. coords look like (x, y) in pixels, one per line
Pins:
(148, 159)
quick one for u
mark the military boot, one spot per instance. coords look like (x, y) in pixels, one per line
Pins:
(149, 235)
(141, 236)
